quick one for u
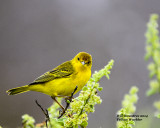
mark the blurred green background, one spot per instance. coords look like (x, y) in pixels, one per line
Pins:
(37, 35)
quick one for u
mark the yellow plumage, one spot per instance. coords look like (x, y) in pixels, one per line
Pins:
(62, 80)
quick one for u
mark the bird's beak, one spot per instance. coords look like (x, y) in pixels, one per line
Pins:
(83, 62)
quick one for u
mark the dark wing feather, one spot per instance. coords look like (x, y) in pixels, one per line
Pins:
(62, 71)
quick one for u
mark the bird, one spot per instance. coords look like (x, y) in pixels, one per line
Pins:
(62, 80)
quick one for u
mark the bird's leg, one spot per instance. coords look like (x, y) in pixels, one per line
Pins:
(68, 103)
(58, 103)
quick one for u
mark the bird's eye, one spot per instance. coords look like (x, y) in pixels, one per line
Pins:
(78, 58)
(88, 62)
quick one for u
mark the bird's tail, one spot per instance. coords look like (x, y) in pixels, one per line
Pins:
(18, 90)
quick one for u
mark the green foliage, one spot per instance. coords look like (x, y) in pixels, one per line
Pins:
(53, 113)
(80, 107)
(157, 106)
(87, 99)
(128, 108)
(28, 121)
(153, 52)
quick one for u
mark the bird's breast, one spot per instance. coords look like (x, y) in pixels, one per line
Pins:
(81, 79)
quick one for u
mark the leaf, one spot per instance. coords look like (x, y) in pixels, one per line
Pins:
(100, 88)
(84, 124)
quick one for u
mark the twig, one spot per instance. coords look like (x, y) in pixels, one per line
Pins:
(45, 112)
(68, 103)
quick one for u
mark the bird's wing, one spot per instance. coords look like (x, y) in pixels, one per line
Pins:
(62, 71)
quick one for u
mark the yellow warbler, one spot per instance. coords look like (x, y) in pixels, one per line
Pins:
(62, 80)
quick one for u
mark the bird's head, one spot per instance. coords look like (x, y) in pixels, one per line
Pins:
(83, 59)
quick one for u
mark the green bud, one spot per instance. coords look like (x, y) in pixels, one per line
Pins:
(158, 116)
(84, 124)
(68, 101)
(157, 105)
(84, 88)
(154, 17)
(133, 90)
(100, 88)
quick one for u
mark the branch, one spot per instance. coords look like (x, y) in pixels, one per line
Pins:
(68, 103)
(45, 112)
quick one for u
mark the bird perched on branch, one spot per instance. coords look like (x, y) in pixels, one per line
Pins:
(62, 80)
